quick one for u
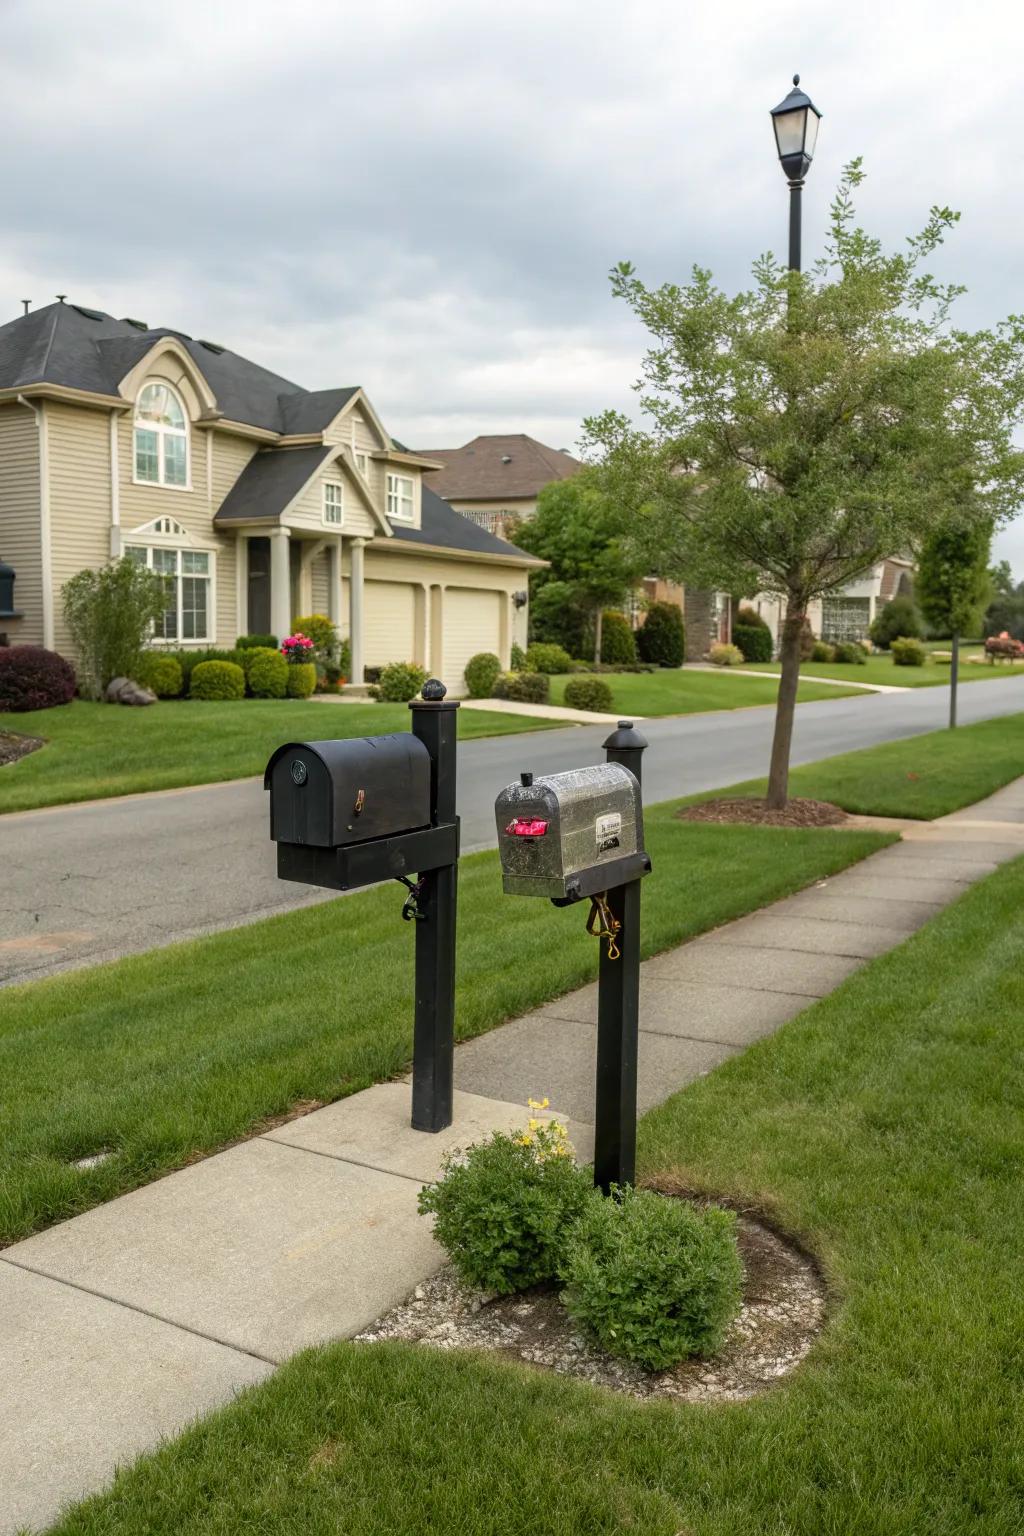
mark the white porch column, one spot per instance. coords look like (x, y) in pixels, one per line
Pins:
(356, 609)
(242, 584)
(280, 584)
(334, 587)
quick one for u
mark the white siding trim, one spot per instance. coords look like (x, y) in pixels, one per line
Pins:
(115, 491)
(45, 544)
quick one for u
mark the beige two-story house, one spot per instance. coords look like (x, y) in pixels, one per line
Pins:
(258, 499)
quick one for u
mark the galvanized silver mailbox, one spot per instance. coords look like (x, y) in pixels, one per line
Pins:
(571, 835)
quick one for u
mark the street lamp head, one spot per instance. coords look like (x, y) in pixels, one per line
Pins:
(795, 121)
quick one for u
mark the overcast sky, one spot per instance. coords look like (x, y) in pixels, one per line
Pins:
(425, 198)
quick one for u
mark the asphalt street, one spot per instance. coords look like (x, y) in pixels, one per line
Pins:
(87, 883)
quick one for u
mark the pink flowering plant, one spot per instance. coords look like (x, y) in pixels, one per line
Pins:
(297, 648)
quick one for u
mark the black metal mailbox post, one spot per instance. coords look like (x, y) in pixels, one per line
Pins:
(350, 813)
(580, 834)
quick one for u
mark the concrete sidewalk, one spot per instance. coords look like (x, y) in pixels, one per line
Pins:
(120, 1326)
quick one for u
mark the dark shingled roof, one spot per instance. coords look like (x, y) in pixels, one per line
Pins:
(269, 482)
(61, 344)
(478, 471)
(447, 529)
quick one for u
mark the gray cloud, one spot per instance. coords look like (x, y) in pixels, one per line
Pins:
(426, 198)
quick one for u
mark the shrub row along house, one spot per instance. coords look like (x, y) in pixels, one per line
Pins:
(256, 498)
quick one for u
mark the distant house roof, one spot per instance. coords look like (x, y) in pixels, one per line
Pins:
(498, 467)
(84, 349)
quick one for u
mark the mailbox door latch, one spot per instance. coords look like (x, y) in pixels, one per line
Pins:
(603, 924)
(410, 907)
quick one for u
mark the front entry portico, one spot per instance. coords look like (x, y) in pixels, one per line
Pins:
(274, 587)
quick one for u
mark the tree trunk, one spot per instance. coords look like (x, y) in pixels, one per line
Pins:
(598, 618)
(778, 773)
(954, 678)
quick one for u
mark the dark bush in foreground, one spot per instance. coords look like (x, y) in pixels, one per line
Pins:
(523, 687)
(588, 693)
(653, 1278)
(660, 639)
(482, 671)
(34, 678)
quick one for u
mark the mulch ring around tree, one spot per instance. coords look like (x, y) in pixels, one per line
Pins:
(783, 1311)
(12, 747)
(750, 811)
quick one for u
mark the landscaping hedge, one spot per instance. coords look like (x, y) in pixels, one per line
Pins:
(300, 679)
(266, 673)
(550, 659)
(661, 637)
(161, 673)
(219, 680)
(34, 678)
(755, 641)
(482, 672)
(588, 693)
(399, 682)
(523, 687)
(908, 652)
(618, 645)
(256, 643)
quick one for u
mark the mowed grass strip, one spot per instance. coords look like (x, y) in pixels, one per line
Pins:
(883, 1127)
(880, 668)
(94, 751)
(163, 1056)
(919, 778)
(686, 691)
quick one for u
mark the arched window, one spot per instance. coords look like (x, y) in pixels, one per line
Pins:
(161, 437)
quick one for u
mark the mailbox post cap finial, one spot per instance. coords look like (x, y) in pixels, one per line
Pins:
(433, 690)
(625, 738)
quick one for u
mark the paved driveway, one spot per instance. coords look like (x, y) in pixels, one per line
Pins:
(91, 882)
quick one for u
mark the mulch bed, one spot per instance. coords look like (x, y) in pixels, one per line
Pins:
(783, 1311)
(12, 747)
(754, 812)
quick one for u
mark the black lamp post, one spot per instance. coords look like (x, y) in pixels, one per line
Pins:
(795, 121)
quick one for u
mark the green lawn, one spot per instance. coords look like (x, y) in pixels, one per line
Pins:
(685, 692)
(923, 777)
(883, 1127)
(882, 669)
(182, 1050)
(97, 750)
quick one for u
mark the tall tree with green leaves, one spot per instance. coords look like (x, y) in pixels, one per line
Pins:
(581, 531)
(798, 432)
(953, 587)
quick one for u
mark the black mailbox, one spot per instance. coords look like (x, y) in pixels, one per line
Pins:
(329, 794)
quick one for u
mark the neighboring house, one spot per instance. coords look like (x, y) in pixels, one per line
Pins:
(497, 478)
(259, 499)
(849, 613)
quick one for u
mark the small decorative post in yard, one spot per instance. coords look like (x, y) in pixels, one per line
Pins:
(350, 813)
(569, 836)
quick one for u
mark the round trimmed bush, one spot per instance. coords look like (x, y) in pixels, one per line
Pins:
(481, 674)
(550, 659)
(300, 679)
(34, 678)
(900, 619)
(399, 682)
(661, 637)
(908, 652)
(823, 651)
(217, 680)
(502, 1209)
(523, 687)
(618, 644)
(653, 1278)
(850, 654)
(161, 673)
(589, 693)
(266, 673)
(725, 655)
(754, 640)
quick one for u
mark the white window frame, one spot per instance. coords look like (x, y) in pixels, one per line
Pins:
(162, 433)
(395, 498)
(168, 545)
(360, 455)
(339, 521)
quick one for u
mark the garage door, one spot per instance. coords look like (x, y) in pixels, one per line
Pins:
(472, 623)
(388, 624)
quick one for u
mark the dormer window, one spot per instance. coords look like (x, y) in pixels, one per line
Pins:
(161, 437)
(400, 498)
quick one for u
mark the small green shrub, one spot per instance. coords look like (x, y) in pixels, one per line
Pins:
(518, 658)
(189, 660)
(300, 679)
(725, 655)
(850, 654)
(266, 673)
(589, 693)
(754, 640)
(898, 620)
(256, 643)
(523, 687)
(217, 680)
(399, 682)
(551, 659)
(481, 674)
(161, 673)
(321, 630)
(503, 1207)
(345, 662)
(661, 637)
(618, 643)
(908, 652)
(653, 1278)
(823, 651)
